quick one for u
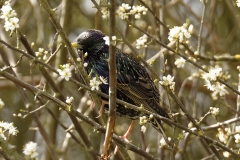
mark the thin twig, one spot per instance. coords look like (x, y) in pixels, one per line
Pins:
(155, 16)
(201, 27)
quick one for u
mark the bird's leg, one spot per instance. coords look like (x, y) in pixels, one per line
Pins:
(126, 135)
(102, 108)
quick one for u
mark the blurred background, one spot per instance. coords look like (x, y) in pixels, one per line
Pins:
(220, 37)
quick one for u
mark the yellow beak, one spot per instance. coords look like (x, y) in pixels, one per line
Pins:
(75, 45)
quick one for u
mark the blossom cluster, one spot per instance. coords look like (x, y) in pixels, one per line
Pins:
(212, 84)
(238, 3)
(42, 54)
(180, 34)
(96, 81)
(9, 15)
(125, 10)
(163, 142)
(168, 82)
(107, 42)
(237, 136)
(142, 42)
(7, 127)
(214, 111)
(223, 134)
(143, 120)
(180, 62)
(65, 71)
(30, 149)
(69, 100)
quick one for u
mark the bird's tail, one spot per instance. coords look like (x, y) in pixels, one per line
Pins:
(158, 126)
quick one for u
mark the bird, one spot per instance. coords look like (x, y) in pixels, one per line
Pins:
(134, 84)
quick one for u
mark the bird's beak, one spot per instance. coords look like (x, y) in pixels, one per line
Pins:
(76, 45)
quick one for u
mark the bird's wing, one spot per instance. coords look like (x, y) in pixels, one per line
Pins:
(135, 83)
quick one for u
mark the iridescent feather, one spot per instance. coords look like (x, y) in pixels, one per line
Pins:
(134, 84)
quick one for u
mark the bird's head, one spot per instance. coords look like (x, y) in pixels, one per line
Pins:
(90, 41)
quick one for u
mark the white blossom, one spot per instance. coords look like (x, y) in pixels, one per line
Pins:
(65, 71)
(85, 64)
(213, 74)
(211, 83)
(7, 127)
(223, 135)
(106, 38)
(237, 129)
(168, 82)
(178, 34)
(214, 111)
(143, 129)
(114, 38)
(141, 42)
(218, 89)
(9, 15)
(94, 83)
(226, 154)
(30, 149)
(143, 120)
(180, 62)
(11, 24)
(190, 29)
(6, 11)
(104, 12)
(42, 54)
(107, 41)
(69, 100)
(237, 138)
(123, 11)
(138, 10)
(238, 3)
(163, 142)
(104, 80)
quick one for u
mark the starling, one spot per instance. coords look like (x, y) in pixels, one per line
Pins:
(134, 84)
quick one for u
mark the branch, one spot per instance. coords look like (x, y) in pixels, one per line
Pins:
(112, 85)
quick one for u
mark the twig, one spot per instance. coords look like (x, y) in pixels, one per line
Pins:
(39, 108)
(155, 16)
(201, 27)
(54, 54)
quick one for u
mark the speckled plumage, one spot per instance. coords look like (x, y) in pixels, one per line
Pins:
(134, 84)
